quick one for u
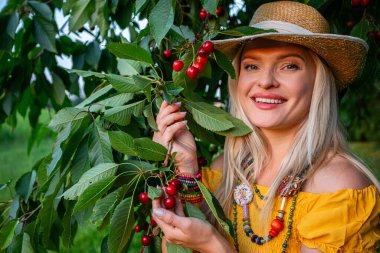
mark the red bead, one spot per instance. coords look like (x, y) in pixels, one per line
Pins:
(192, 72)
(177, 65)
(169, 202)
(171, 190)
(273, 233)
(146, 240)
(143, 198)
(277, 225)
(198, 65)
(201, 60)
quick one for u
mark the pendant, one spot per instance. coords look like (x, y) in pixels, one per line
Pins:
(243, 194)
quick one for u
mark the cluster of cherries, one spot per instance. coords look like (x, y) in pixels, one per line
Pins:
(171, 190)
(193, 71)
(357, 3)
(203, 14)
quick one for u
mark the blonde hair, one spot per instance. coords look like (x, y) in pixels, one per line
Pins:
(320, 135)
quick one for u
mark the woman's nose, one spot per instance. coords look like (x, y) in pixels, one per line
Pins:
(267, 79)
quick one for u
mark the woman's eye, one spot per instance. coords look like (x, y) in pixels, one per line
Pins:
(250, 67)
(292, 67)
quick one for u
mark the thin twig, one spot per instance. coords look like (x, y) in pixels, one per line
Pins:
(170, 146)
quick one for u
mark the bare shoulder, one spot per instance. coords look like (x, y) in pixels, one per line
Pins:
(338, 174)
(217, 164)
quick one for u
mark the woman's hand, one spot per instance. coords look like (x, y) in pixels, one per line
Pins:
(188, 232)
(172, 128)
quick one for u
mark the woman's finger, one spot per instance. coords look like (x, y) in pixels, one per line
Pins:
(167, 109)
(169, 133)
(169, 120)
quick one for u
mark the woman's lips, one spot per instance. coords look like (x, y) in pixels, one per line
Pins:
(267, 101)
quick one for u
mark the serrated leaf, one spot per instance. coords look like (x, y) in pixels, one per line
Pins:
(122, 114)
(139, 5)
(121, 226)
(150, 150)
(239, 129)
(93, 97)
(99, 146)
(361, 29)
(154, 192)
(225, 63)
(93, 193)
(210, 5)
(80, 13)
(85, 73)
(41, 9)
(138, 166)
(13, 22)
(7, 233)
(127, 84)
(208, 116)
(24, 185)
(193, 211)
(148, 113)
(173, 248)
(65, 116)
(47, 216)
(216, 209)
(159, 26)
(105, 206)
(117, 100)
(130, 51)
(58, 89)
(122, 142)
(91, 176)
(44, 32)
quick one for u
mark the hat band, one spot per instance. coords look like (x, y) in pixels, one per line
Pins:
(282, 27)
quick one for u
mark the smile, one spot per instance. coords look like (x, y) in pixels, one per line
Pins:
(268, 101)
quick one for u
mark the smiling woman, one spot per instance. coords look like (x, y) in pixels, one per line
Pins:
(292, 185)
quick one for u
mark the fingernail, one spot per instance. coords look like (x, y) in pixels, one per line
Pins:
(184, 122)
(177, 103)
(183, 113)
(159, 212)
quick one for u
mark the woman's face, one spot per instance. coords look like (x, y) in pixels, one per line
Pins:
(275, 84)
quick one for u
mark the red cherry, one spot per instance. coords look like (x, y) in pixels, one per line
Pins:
(143, 198)
(153, 222)
(355, 2)
(192, 72)
(202, 161)
(372, 34)
(138, 228)
(146, 240)
(177, 65)
(169, 202)
(208, 46)
(167, 53)
(176, 183)
(199, 66)
(377, 36)
(203, 14)
(202, 52)
(219, 11)
(201, 60)
(365, 3)
(277, 225)
(171, 190)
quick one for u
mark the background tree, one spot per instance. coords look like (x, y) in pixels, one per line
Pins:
(103, 156)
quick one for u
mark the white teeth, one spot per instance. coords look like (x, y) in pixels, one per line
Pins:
(269, 101)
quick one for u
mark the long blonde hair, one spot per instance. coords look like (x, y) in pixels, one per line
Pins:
(320, 134)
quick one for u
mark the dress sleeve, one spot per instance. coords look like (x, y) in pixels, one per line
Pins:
(211, 178)
(344, 221)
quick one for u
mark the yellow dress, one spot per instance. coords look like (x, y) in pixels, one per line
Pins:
(343, 221)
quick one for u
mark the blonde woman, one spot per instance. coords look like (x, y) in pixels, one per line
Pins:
(292, 185)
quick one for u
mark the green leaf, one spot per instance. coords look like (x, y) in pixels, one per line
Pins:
(41, 9)
(58, 89)
(225, 63)
(44, 33)
(80, 13)
(24, 185)
(93, 193)
(138, 166)
(121, 226)
(150, 150)
(130, 51)
(140, 5)
(127, 84)
(122, 142)
(91, 176)
(99, 93)
(193, 211)
(361, 29)
(93, 53)
(7, 233)
(216, 209)
(99, 146)
(47, 216)
(173, 248)
(85, 73)
(160, 20)
(148, 113)
(13, 22)
(210, 5)
(239, 129)
(105, 206)
(209, 116)
(118, 100)
(122, 114)
(154, 192)
(67, 115)
(102, 16)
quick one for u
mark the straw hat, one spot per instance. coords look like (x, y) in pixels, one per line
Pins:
(303, 25)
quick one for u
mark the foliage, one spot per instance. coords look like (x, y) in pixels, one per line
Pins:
(103, 155)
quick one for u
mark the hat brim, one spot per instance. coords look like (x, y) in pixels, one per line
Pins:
(345, 55)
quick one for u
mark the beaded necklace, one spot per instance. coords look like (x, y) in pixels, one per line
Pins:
(243, 195)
